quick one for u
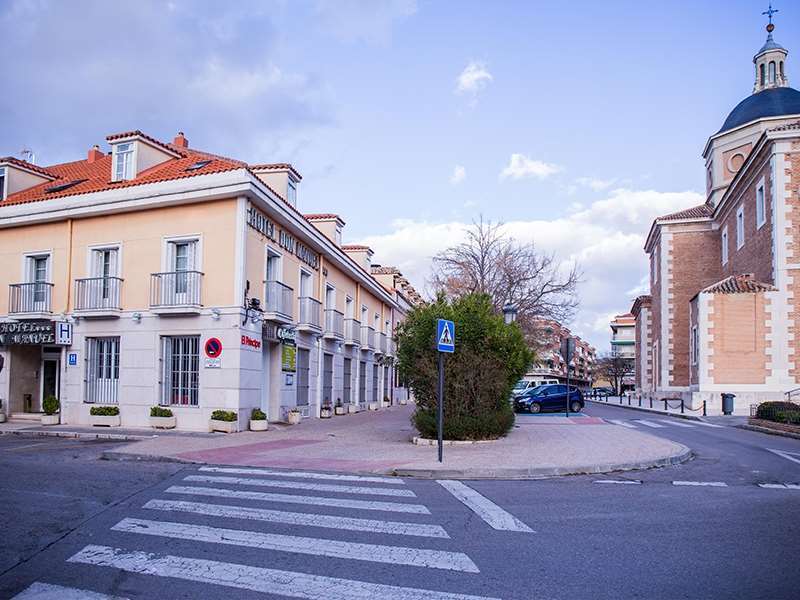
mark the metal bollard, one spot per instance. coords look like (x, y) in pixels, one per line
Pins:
(704, 408)
(665, 405)
(629, 400)
(640, 401)
(681, 405)
(651, 402)
(620, 399)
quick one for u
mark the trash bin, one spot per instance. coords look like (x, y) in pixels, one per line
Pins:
(727, 403)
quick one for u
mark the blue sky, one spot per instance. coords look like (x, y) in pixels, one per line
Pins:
(574, 123)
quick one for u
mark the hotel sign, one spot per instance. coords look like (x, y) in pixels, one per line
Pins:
(266, 227)
(27, 333)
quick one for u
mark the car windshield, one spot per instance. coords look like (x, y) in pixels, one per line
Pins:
(520, 385)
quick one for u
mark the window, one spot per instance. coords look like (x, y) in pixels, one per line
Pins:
(198, 165)
(740, 227)
(180, 361)
(772, 72)
(37, 275)
(2, 183)
(291, 192)
(330, 297)
(183, 255)
(348, 308)
(60, 187)
(725, 245)
(102, 370)
(338, 235)
(694, 347)
(761, 206)
(654, 267)
(104, 268)
(762, 73)
(305, 284)
(123, 162)
(273, 266)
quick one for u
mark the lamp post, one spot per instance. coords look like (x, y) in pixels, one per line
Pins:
(509, 312)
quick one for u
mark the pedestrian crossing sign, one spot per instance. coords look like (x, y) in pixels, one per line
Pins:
(445, 336)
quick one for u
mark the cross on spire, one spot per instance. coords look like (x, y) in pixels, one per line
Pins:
(769, 12)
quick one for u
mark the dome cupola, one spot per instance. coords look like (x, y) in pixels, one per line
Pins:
(770, 61)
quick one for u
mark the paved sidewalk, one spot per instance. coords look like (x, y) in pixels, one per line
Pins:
(695, 415)
(379, 442)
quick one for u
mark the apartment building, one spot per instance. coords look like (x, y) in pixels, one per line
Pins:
(157, 274)
(721, 316)
(550, 364)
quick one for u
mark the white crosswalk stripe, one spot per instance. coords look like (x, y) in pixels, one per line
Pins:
(618, 481)
(257, 579)
(295, 499)
(701, 483)
(648, 424)
(780, 486)
(393, 555)
(622, 423)
(675, 423)
(704, 424)
(48, 591)
(298, 485)
(303, 475)
(496, 517)
(302, 519)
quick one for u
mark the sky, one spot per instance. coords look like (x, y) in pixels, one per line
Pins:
(575, 124)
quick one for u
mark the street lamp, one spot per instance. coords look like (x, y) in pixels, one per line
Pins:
(509, 313)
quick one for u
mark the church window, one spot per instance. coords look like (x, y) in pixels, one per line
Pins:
(781, 69)
(761, 205)
(725, 245)
(772, 71)
(762, 73)
(740, 227)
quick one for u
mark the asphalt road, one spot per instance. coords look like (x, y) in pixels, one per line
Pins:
(158, 530)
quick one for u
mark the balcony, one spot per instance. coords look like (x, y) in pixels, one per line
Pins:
(334, 324)
(367, 338)
(352, 332)
(98, 297)
(380, 343)
(176, 293)
(30, 300)
(310, 315)
(391, 347)
(278, 302)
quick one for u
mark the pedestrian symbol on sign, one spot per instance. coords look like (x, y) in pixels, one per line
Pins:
(445, 334)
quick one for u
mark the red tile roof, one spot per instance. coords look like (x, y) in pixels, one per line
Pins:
(24, 164)
(355, 247)
(739, 284)
(696, 212)
(323, 217)
(136, 133)
(277, 167)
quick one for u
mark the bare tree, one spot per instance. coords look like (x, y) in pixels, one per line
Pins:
(615, 369)
(491, 262)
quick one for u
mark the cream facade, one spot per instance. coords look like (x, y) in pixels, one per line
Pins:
(155, 274)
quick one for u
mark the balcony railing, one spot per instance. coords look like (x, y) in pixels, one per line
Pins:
(278, 301)
(352, 332)
(98, 293)
(367, 337)
(334, 324)
(30, 297)
(391, 347)
(175, 289)
(310, 313)
(380, 343)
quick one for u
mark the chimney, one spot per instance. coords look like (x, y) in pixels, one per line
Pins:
(180, 141)
(94, 154)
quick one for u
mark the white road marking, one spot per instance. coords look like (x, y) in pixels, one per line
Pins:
(301, 485)
(792, 456)
(620, 481)
(304, 475)
(256, 579)
(701, 483)
(622, 423)
(649, 424)
(48, 591)
(780, 486)
(304, 519)
(676, 423)
(704, 424)
(378, 553)
(293, 499)
(496, 517)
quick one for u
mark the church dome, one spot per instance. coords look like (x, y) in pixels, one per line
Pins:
(772, 102)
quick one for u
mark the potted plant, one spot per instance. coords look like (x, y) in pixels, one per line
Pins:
(339, 409)
(258, 420)
(162, 418)
(294, 416)
(50, 406)
(387, 402)
(352, 408)
(403, 400)
(104, 416)
(372, 406)
(226, 421)
(325, 412)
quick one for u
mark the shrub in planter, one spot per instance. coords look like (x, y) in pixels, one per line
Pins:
(105, 416)
(490, 358)
(258, 420)
(224, 420)
(340, 408)
(162, 417)
(771, 410)
(294, 416)
(325, 412)
(50, 405)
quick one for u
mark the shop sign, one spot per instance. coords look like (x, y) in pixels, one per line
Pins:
(249, 342)
(288, 358)
(287, 335)
(28, 333)
(266, 227)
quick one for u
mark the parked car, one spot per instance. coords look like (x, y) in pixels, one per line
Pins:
(524, 385)
(549, 397)
(602, 391)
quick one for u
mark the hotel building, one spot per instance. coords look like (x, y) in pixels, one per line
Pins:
(156, 274)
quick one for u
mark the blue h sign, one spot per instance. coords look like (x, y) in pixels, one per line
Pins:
(445, 336)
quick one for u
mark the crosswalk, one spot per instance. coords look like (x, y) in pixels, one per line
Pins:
(662, 423)
(363, 520)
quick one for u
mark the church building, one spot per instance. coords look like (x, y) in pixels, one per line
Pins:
(721, 315)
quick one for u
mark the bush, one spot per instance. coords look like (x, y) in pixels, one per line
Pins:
(50, 405)
(789, 417)
(228, 416)
(490, 358)
(160, 411)
(104, 411)
(258, 415)
(771, 410)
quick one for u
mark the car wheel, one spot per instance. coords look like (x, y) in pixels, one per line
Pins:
(576, 407)
(535, 408)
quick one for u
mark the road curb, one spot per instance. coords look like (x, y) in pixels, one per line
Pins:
(769, 431)
(132, 457)
(119, 437)
(682, 456)
(651, 411)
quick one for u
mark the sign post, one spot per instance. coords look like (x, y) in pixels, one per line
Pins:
(567, 350)
(445, 342)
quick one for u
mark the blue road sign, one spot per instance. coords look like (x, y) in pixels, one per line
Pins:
(445, 336)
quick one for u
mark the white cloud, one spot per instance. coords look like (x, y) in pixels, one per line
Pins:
(369, 21)
(597, 185)
(473, 78)
(521, 166)
(459, 174)
(606, 238)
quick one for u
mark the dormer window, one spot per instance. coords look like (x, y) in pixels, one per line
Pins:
(2, 183)
(291, 192)
(123, 162)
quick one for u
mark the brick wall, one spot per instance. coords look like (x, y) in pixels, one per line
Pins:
(792, 174)
(738, 324)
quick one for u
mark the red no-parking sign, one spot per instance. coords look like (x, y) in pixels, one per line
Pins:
(213, 348)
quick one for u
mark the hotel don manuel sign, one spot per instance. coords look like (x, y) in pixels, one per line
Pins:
(35, 333)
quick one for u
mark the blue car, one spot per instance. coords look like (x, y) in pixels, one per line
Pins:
(549, 397)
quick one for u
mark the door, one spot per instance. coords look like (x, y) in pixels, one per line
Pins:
(362, 383)
(303, 359)
(375, 388)
(104, 267)
(327, 379)
(37, 300)
(50, 378)
(347, 374)
(179, 287)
